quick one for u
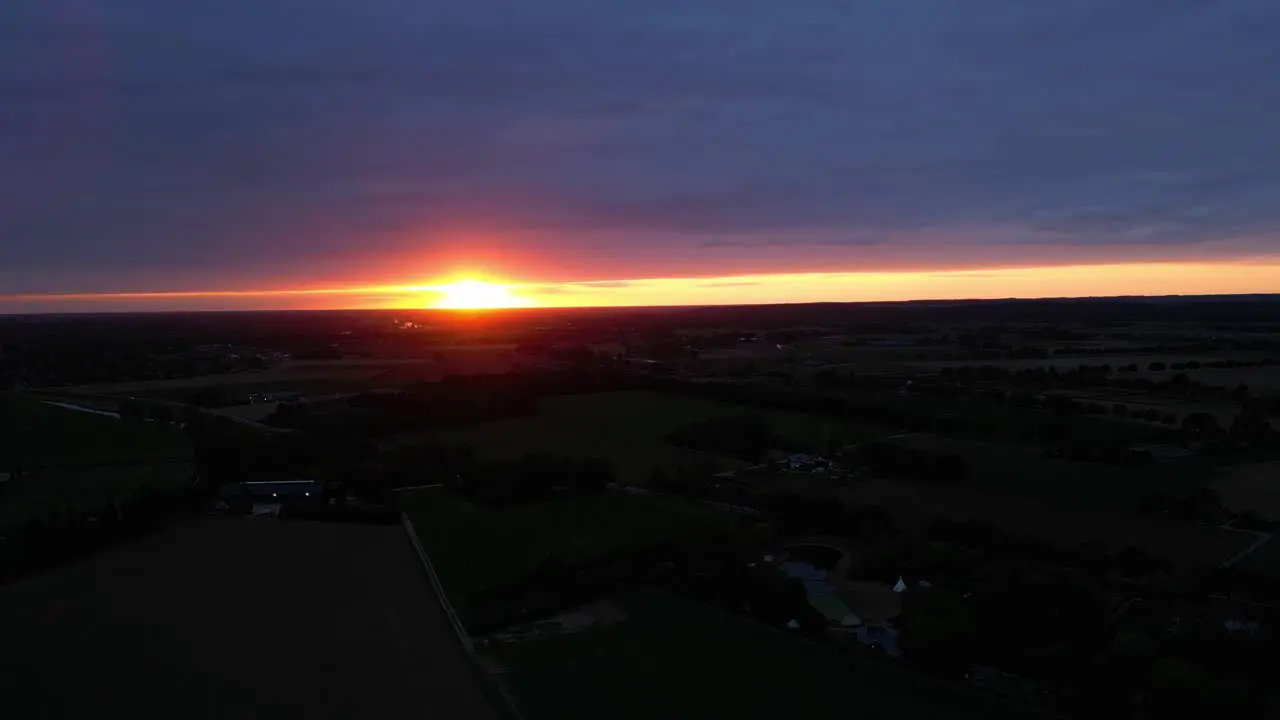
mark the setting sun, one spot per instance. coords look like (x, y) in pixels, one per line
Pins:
(476, 295)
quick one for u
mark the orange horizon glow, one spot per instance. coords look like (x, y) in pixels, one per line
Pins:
(472, 293)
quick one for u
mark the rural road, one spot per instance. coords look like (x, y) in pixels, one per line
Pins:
(238, 618)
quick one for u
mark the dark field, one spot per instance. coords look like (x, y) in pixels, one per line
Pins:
(237, 618)
(81, 461)
(677, 659)
(1186, 545)
(86, 489)
(1265, 560)
(1028, 472)
(59, 437)
(627, 428)
(474, 548)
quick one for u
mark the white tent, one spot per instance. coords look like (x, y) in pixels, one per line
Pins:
(793, 624)
(901, 586)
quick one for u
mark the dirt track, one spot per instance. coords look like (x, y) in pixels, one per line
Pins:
(237, 618)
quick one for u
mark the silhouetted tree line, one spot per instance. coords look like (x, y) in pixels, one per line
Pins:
(795, 514)
(424, 405)
(1202, 505)
(986, 541)
(534, 478)
(816, 402)
(1014, 416)
(744, 437)
(887, 458)
(689, 480)
(1105, 375)
(713, 567)
(453, 400)
(1043, 612)
(70, 533)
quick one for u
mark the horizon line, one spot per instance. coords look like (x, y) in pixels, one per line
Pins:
(546, 308)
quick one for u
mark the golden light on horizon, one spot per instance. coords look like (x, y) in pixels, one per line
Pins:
(476, 295)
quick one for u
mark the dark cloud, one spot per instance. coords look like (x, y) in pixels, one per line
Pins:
(233, 143)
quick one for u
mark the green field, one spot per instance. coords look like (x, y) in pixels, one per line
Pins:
(78, 461)
(678, 659)
(1264, 560)
(627, 428)
(58, 437)
(474, 548)
(86, 489)
(1023, 471)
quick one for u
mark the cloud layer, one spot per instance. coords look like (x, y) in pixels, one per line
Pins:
(209, 144)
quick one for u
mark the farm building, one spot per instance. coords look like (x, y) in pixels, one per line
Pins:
(267, 497)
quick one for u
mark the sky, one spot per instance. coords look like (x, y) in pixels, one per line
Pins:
(325, 153)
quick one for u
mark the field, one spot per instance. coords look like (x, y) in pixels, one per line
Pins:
(1265, 560)
(1224, 410)
(86, 489)
(1261, 380)
(627, 428)
(78, 460)
(234, 617)
(59, 437)
(474, 548)
(1186, 545)
(1003, 468)
(1142, 360)
(1253, 487)
(299, 373)
(677, 659)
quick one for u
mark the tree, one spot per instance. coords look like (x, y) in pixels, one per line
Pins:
(1156, 367)
(1201, 426)
(1251, 424)
(1241, 393)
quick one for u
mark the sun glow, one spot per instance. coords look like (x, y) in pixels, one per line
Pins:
(475, 295)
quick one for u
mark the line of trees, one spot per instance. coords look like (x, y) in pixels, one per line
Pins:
(715, 567)
(71, 533)
(745, 437)
(536, 477)
(892, 459)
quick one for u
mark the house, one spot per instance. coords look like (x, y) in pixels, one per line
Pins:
(267, 497)
(804, 462)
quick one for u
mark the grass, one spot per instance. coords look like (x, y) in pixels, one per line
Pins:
(1064, 524)
(237, 618)
(80, 460)
(474, 548)
(59, 437)
(1265, 560)
(86, 489)
(678, 659)
(627, 428)
(1004, 468)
